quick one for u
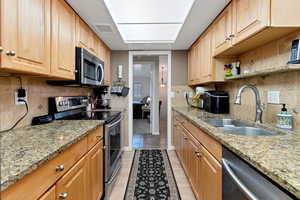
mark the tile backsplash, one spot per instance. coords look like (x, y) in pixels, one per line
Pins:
(38, 92)
(271, 55)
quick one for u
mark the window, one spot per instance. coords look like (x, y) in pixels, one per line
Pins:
(137, 90)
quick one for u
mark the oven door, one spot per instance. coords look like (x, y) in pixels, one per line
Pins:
(92, 69)
(112, 148)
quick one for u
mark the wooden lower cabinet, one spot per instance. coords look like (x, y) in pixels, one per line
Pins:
(202, 168)
(96, 178)
(73, 185)
(50, 195)
(77, 173)
(211, 175)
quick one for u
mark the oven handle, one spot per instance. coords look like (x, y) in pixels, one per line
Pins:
(114, 175)
(115, 123)
(238, 182)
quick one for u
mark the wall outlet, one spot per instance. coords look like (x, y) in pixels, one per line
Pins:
(17, 98)
(274, 97)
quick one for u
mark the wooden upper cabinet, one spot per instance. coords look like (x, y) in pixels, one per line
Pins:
(25, 36)
(94, 43)
(206, 56)
(63, 40)
(222, 31)
(106, 66)
(249, 17)
(49, 195)
(83, 33)
(96, 178)
(73, 185)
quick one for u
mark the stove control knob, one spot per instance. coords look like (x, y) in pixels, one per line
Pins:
(60, 103)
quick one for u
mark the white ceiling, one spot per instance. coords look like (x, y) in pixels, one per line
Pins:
(96, 14)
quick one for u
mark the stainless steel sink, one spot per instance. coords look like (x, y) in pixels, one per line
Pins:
(248, 131)
(237, 127)
(220, 122)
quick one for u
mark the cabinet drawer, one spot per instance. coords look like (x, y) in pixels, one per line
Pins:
(214, 147)
(95, 136)
(39, 181)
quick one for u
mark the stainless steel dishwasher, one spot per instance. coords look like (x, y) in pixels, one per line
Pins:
(242, 182)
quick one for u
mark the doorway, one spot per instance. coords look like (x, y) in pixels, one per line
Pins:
(149, 99)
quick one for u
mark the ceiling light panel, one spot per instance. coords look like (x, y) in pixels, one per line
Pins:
(154, 33)
(149, 11)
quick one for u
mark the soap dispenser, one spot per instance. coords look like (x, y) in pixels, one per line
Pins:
(284, 120)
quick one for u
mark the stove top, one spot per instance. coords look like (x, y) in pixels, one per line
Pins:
(106, 116)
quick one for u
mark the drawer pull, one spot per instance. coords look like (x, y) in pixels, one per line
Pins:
(99, 136)
(60, 168)
(11, 53)
(63, 195)
(198, 154)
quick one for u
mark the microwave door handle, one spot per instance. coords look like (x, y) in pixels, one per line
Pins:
(102, 73)
(238, 182)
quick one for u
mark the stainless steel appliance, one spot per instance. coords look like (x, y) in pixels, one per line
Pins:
(74, 108)
(89, 71)
(295, 52)
(216, 102)
(242, 182)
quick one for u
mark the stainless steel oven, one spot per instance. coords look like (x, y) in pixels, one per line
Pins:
(113, 152)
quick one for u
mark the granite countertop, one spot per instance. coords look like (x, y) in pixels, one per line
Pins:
(278, 157)
(25, 149)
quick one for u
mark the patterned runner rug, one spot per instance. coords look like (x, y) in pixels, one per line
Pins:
(151, 177)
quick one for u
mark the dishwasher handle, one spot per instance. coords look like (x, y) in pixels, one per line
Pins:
(238, 182)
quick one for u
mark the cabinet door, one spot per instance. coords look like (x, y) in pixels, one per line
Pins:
(190, 67)
(94, 40)
(50, 195)
(74, 183)
(25, 36)
(206, 55)
(195, 168)
(107, 67)
(96, 179)
(222, 31)
(63, 40)
(83, 34)
(211, 175)
(249, 17)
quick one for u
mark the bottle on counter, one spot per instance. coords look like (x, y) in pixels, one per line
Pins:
(284, 120)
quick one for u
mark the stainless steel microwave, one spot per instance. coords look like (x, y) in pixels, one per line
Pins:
(89, 71)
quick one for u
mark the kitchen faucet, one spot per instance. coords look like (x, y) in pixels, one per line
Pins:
(259, 110)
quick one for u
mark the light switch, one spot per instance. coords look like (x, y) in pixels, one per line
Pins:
(274, 97)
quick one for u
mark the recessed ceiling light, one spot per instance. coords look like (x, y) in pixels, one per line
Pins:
(149, 21)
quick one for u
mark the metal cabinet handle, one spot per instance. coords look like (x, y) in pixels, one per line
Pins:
(99, 136)
(198, 154)
(227, 39)
(60, 168)
(63, 195)
(11, 53)
(238, 182)
(1, 49)
(185, 138)
(231, 35)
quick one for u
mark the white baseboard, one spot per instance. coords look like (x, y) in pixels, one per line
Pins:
(155, 133)
(170, 148)
(127, 148)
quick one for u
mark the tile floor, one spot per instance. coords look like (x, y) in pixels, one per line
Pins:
(184, 187)
(146, 140)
